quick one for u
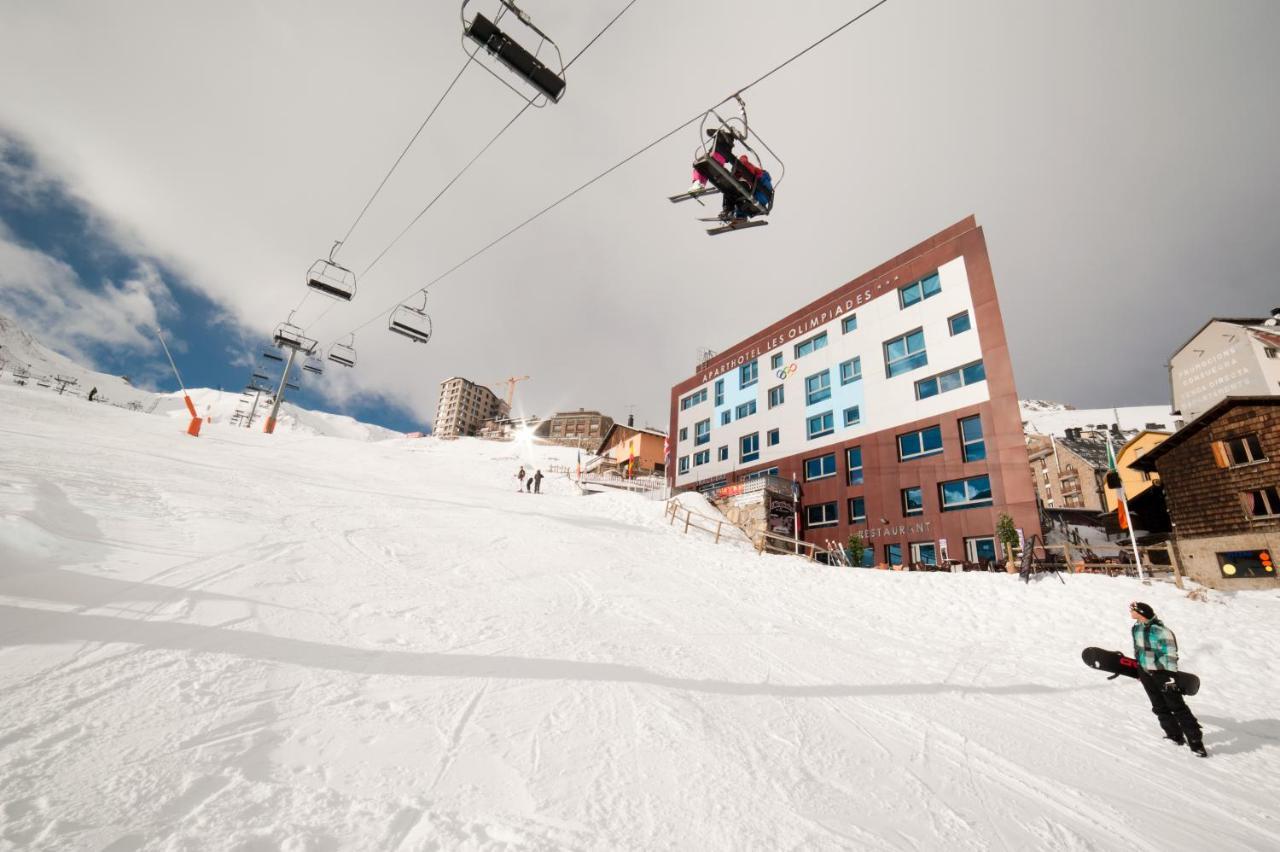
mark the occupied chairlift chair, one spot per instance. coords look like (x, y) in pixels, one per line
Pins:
(328, 278)
(411, 322)
(547, 79)
(344, 353)
(750, 195)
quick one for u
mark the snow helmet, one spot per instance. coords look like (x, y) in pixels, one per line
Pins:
(1143, 609)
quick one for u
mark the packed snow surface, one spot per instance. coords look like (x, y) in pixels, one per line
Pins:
(294, 642)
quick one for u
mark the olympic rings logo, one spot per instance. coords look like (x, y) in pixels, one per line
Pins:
(788, 370)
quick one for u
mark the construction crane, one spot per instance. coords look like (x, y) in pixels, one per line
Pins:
(511, 381)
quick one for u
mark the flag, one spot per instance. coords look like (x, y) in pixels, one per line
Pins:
(1121, 514)
(631, 459)
(579, 463)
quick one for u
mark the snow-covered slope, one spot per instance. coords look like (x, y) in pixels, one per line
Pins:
(1052, 418)
(20, 348)
(288, 642)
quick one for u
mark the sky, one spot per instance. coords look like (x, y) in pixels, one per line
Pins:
(183, 164)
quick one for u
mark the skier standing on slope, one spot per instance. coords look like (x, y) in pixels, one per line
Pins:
(537, 483)
(520, 479)
(1156, 650)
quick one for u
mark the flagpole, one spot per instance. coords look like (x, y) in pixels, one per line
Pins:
(1124, 501)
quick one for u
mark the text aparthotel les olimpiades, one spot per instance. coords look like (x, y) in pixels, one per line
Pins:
(890, 400)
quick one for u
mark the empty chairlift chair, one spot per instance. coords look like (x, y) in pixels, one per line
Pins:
(314, 366)
(269, 353)
(290, 336)
(544, 75)
(331, 279)
(411, 322)
(344, 353)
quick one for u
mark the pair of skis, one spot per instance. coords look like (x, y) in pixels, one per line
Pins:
(732, 223)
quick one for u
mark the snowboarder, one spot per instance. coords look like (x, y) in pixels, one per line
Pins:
(1156, 650)
(520, 478)
(92, 394)
(537, 482)
(528, 485)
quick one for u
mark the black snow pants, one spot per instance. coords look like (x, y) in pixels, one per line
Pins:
(1175, 717)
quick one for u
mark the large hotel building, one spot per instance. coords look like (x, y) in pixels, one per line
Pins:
(889, 400)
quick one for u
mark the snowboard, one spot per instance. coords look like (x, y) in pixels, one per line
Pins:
(1118, 664)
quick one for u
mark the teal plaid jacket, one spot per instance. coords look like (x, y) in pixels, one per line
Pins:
(1154, 646)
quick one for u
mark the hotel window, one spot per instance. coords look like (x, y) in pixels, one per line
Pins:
(1264, 503)
(776, 396)
(684, 464)
(1270, 352)
(702, 432)
(813, 344)
(684, 432)
(693, 399)
(719, 392)
(853, 415)
(748, 374)
(966, 493)
(702, 457)
(771, 437)
(747, 409)
(893, 554)
(821, 515)
(817, 387)
(760, 474)
(1244, 450)
(820, 467)
(919, 291)
(850, 371)
(912, 501)
(750, 447)
(925, 552)
(775, 360)
(849, 323)
(857, 510)
(853, 461)
(959, 323)
(925, 442)
(726, 417)
(821, 424)
(722, 454)
(973, 447)
(950, 380)
(904, 354)
(980, 549)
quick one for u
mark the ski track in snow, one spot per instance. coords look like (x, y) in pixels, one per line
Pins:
(307, 643)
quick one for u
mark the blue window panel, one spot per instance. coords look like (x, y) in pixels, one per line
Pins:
(775, 361)
(772, 437)
(701, 458)
(852, 415)
(850, 371)
(925, 442)
(820, 467)
(984, 549)
(818, 387)
(726, 417)
(813, 344)
(893, 554)
(932, 439)
(925, 552)
(693, 399)
(906, 353)
(959, 323)
(930, 285)
(975, 372)
(912, 501)
(684, 433)
(749, 446)
(926, 388)
(777, 396)
(722, 454)
(821, 515)
(747, 409)
(759, 474)
(966, 493)
(748, 374)
(849, 323)
(719, 392)
(857, 509)
(975, 448)
(821, 424)
(684, 464)
(853, 460)
(701, 433)
(950, 380)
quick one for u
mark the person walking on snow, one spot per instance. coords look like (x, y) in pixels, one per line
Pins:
(537, 482)
(1156, 650)
(92, 394)
(520, 478)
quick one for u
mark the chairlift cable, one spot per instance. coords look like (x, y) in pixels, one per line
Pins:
(627, 159)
